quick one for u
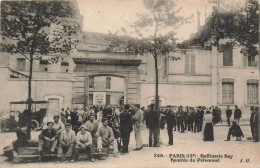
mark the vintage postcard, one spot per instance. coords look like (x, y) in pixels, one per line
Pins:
(129, 83)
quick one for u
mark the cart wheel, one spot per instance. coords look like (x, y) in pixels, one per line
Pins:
(34, 125)
(3, 126)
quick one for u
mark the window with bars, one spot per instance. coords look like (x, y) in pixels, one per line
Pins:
(189, 64)
(107, 99)
(90, 99)
(20, 64)
(228, 56)
(91, 82)
(108, 83)
(252, 93)
(227, 92)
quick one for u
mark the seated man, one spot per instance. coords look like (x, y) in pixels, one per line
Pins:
(58, 125)
(92, 126)
(105, 137)
(67, 142)
(47, 140)
(234, 130)
(83, 144)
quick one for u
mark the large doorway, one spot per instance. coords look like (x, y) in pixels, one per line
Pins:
(105, 90)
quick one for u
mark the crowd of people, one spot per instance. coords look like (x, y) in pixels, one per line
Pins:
(97, 127)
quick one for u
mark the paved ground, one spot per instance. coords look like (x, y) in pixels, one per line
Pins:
(187, 143)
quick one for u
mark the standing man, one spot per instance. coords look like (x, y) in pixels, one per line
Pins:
(58, 125)
(170, 120)
(237, 114)
(125, 127)
(228, 115)
(181, 118)
(152, 122)
(92, 125)
(252, 116)
(66, 142)
(138, 119)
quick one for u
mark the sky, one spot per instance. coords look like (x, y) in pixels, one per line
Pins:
(103, 16)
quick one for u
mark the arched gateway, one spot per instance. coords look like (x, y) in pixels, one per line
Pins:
(103, 81)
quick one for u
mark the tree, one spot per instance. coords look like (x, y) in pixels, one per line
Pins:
(25, 29)
(161, 20)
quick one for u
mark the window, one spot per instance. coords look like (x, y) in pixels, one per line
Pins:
(43, 65)
(108, 83)
(190, 64)
(107, 99)
(20, 64)
(64, 66)
(228, 56)
(252, 62)
(252, 92)
(227, 92)
(91, 82)
(90, 99)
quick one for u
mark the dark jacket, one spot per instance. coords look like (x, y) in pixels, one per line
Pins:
(170, 118)
(49, 134)
(237, 113)
(125, 122)
(236, 130)
(152, 119)
(228, 113)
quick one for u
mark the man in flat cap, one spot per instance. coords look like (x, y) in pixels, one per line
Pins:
(126, 127)
(66, 142)
(47, 140)
(237, 114)
(83, 144)
(152, 122)
(58, 125)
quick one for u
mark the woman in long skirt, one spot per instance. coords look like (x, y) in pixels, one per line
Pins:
(208, 130)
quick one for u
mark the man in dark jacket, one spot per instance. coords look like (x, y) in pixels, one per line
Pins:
(126, 127)
(47, 140)
(201, 115)
(228, 115)
(234, 130)
(152, 122)
(237, 114)
(170, 120)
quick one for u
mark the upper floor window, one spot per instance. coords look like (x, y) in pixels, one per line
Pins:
(228, 55)
(190, 64)
(252, 61)
(43, 65)
(21, 64)
(91, 82)
(108, 83)
(64, 66)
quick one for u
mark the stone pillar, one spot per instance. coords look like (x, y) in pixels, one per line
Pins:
(214, 76)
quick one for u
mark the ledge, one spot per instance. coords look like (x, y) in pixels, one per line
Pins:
(101, 61)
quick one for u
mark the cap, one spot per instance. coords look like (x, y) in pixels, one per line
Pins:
(67, 124)
(50, 122)
(83, 126)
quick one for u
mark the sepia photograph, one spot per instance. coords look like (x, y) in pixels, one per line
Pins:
(129, 84)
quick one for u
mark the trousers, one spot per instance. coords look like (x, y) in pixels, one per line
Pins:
(138, 136)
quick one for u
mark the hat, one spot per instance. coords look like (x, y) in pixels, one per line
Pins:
(234, 121)
(50, 122)
(181, 107)
(83, 126)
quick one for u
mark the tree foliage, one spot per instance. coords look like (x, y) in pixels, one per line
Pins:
(241, 24)
(25, 28)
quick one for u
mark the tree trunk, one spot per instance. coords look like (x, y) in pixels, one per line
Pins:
(29, 99)
(156, 84)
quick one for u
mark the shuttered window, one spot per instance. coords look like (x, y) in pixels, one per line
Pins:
(228, 92)
(190, 64)
(252, 93)
(91, 82)
(228, 56)
(108, 83)
(20, 64)
(107, 99)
